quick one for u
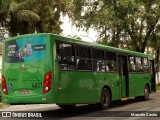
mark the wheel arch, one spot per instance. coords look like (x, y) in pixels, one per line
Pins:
(106, 86)
(147, 84)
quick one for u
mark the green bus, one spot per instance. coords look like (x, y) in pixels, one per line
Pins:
(48, 68)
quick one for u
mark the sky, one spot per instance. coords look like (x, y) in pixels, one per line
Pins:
(69, 29)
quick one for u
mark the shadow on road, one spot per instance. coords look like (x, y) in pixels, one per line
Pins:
(87, 111)
(119, 103)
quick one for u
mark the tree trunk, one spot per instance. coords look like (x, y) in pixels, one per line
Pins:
(157, 64)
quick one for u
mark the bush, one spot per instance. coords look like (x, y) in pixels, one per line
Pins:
(157, 87)
(0, 93)
(0, 97)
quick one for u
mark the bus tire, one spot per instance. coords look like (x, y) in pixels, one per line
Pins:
(67, 107)
(105, 99)
(146, 93)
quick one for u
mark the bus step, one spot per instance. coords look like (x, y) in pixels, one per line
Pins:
(124, 99)
(127, 98)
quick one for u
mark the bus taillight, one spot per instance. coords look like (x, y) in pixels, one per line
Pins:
(4, 86)
(47, 85)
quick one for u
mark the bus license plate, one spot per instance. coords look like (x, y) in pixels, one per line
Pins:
(24, 92)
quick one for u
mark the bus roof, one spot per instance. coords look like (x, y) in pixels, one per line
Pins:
(73, 40)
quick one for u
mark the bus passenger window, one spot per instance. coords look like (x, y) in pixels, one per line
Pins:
(98, 60)
(84, 52)
(110, 61)
(84, 64)
(84, 58)
(66, 56)
(110, 56)
(63, 62)
(145, 65)
(145, 61)
(98, 65)
(139, 64)
(110, 66)
(132, 66)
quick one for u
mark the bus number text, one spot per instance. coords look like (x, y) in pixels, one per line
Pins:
(36, 85)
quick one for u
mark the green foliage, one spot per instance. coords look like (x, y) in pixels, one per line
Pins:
(129, 22)
(158, 87)
(75, 37)
(26, 16)
(0, 93)
(4, 7)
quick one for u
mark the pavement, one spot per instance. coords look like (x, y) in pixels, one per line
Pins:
(27, 107)
(118, 110)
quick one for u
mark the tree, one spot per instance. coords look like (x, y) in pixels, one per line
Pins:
(140, 25)
(4, 5)
(129, 22)
(26, 16)
(155, 44)
(49, 12)
(17, 16)
(75, 37)
(22, 18)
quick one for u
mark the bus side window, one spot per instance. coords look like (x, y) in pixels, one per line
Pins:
(132, 66)
(145, 65)
(110, 66)
(110, 61)
(98, 60)
(66, 56)
(139, 66)
(84, 58)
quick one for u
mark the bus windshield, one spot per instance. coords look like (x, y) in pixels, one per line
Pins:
(25, 49)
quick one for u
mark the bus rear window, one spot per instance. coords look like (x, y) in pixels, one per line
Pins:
(25, 49)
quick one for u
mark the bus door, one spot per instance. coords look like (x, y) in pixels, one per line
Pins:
(123, 76)
(152, 72)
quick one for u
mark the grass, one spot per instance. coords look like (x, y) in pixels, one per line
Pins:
(0, 97)
(2, 105)
(158, 87)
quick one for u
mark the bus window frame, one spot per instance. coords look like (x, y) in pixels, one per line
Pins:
(94, 59)
(136, 71)
(83, 58)
(114, 53)
(57, 55)
(138, 65)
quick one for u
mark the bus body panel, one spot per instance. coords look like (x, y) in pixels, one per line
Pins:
(112, 80)
(28, 79)
(76, 87)
(137, 84)
(85, 87)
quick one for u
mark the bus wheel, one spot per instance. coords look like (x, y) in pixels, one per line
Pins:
(67, 107)
(146, 93)
(105, 99)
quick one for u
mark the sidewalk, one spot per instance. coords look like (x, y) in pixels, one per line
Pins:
(28, 107)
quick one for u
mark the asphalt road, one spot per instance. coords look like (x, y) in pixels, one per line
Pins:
(119, 110)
